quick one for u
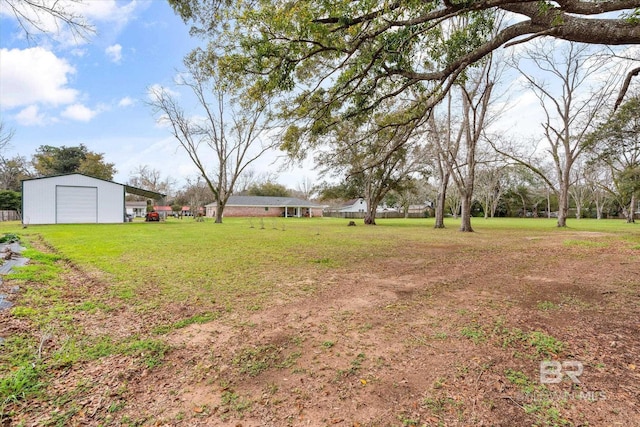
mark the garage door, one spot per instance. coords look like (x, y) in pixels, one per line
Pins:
(76, 204)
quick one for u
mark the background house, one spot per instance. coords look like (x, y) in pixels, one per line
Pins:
(136, 209)
(75, 198)
(262, 206)
(354, 205)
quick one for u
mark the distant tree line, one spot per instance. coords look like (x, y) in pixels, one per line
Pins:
(46, 161)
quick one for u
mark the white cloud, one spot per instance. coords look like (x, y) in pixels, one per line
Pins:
(126, 102)
(34, 76)
(102, 15)
(79, 112)
(30, 116)
(158, 88)
(107, 10)
(114, 53)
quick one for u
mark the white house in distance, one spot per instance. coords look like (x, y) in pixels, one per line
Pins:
(355, 205)
(74, 199)
(136, 209)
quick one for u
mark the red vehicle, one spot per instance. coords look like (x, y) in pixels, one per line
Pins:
(152, 216)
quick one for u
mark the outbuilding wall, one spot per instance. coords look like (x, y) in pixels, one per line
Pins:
(39, 198)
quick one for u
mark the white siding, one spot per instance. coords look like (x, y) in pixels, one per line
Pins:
(76, 204)
(358, 206)
(40, 204)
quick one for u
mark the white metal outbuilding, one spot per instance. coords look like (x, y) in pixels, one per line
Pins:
(75, 199)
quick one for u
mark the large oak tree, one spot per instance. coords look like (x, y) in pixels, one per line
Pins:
(344, 58)
(50, 160)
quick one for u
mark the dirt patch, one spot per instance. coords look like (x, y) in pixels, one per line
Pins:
(427, 336)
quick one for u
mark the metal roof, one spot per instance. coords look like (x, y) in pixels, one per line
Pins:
(129, 189)
(142, 192)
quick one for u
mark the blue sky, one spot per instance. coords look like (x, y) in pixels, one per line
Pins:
(60, 91)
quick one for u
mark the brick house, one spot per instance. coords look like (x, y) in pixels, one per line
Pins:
(262, 206)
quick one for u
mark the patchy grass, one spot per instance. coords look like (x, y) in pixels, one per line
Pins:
(431, 319)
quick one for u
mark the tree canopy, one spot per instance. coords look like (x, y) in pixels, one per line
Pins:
(49, 160)
(10, 200)
(268, 188)
(616, 145)
(345, 58)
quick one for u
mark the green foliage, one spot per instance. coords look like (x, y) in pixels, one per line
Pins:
(356, 364)
(350, 189)
(50, 160)
(546, 306)
(196, 319)
(616, 144)
(10, 200)
(474, 332)
(21, 311)
(231, 401)
(9, 238)
(20, 375)
(545, 344)
(520, 379)
(151, 351)
(269, 188)
(20, 383)
(12, 171)
(255, 360)
(633, 17)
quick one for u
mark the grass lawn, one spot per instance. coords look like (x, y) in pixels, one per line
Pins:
(310, 322)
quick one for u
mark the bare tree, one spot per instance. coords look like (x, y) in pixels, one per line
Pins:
(457, 145)
(573, 86)
(46, 17)
(616, 145)
(438, 137)
(579, 190)
(453, 200)
(151, 179)
(6, 135)
(599, 180)
(305, 188)
(490, 185)
(235, 133)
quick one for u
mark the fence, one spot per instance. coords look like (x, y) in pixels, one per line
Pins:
(9, 216)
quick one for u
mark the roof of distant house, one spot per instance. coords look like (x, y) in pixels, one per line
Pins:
(128, 188)
(352, 202)
(261, 201)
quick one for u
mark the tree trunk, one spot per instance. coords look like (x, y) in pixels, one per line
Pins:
(370, 216)
(441, 202)
(494, 206)
(599, 208)
(563, 206)
(465, 215)
(219, 210)
(485, 207)
(632, 210)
